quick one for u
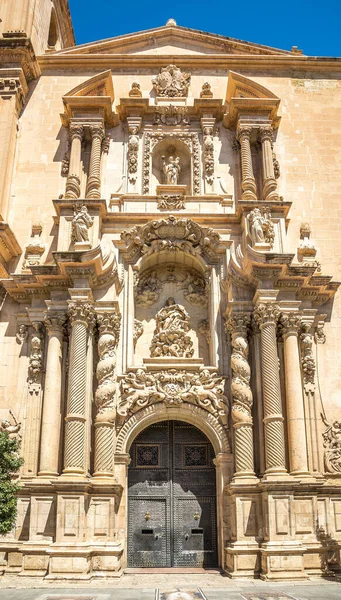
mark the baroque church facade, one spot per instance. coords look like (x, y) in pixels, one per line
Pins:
(170, 259)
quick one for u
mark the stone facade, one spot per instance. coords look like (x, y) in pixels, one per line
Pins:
(169, 249)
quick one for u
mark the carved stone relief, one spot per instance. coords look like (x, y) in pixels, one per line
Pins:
(208, 154)
(192, 142)
(332, 445)
(308, 362)
(204, 329)
(173, 387)
(171, 82)
(320, 336)
(261, 227)
(13, 429)
(237, 326)
(34, 249)
(171, 202)
(150, 284)
(105, 397)
(22, 333)
(133, 149)
(172, 234)
(170, 336)
(138, 330)
(171, 115)
(35, 364)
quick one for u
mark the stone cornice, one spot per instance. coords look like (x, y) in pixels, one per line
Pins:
(288, 62)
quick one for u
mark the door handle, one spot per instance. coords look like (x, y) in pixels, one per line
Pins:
(156, 536)
(186, 536)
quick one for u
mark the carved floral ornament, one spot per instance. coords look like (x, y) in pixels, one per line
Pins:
(332, 445)
(172, 235)
(173, 387)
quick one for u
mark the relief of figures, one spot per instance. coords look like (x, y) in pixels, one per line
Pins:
(172, 325)
(261, 227)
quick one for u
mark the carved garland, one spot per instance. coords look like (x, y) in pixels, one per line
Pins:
(173, 388)
(192, 142)
(172, 235)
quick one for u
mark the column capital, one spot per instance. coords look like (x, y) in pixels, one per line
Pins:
(97, 130)
(265, 313)
(76, 131)
(238, 322)
(81, 312)
(290, 323)
(244, 131)
(54, 321)
(266, 133)
(109, 323)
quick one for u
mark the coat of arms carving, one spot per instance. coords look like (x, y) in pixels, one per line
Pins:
(171, 82)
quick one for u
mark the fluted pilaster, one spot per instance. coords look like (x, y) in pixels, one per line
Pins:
(105, 399)
(73, 180)
(269, 179)
(248, 180)
(93, 188)
(266, 315)
(51, 419)
(81, 316)
(291, 325)
(237, 325)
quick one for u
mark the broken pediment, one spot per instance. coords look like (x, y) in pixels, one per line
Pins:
(244, 96)
(172, 39)
(94, 96)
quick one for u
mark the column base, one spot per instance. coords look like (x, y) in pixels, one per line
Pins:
(244, 478)
(48, 474)
(277, 475)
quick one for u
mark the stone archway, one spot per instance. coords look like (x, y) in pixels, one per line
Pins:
(172, 508)
(208, 424)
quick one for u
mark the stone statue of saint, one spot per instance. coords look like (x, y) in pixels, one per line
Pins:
(81, 222)
(172, 325)
(256, 226)
(171, 170)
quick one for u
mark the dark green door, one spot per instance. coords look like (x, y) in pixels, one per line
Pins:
(172, 498)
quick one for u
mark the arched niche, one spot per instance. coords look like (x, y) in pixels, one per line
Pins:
(180, 276)
(171, 148)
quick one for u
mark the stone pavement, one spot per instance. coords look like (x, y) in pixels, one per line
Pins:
(170, 587)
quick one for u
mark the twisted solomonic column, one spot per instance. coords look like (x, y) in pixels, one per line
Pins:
(105, 399)
(93, 188)
(73, 189)
(82, 316)
(52, 408)
(298, 459)
(266, 315)
(269, 179)
(248, 180)
(237, 325)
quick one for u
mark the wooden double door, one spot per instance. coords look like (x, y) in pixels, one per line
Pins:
(172, 498)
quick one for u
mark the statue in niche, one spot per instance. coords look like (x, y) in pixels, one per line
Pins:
(81, 222)
(172, 325)
(171, 170)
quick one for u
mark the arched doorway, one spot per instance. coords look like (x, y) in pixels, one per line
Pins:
(172, 498)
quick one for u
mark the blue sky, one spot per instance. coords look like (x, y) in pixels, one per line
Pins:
(312, 25)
